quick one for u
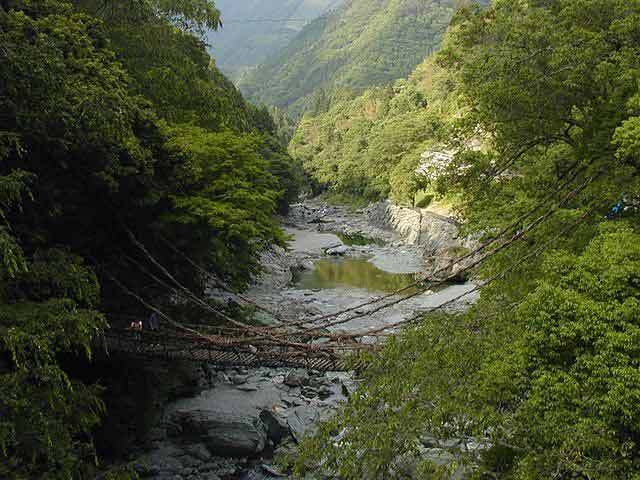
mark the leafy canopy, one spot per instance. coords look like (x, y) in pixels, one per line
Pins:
(542, 374)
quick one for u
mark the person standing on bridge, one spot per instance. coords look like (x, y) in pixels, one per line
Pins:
(154, 321)
(136, 327)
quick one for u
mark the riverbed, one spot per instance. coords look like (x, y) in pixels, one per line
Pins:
(336, 259)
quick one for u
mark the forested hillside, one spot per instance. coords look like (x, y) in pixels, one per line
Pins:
(253, 30)
(540, 379)
(362, 44)
(369, 147)
(130, 165)
(115, 128)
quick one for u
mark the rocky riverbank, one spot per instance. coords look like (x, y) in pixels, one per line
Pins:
(377, 234)
(433, 233)
(235, 426)
(242, 417)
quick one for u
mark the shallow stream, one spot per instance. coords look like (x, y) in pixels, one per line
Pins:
(244, 414)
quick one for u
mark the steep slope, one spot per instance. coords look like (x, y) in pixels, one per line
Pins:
(361, 44)
(256, 29)
(370, 146)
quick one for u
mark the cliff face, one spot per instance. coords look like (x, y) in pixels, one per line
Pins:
(435, 232)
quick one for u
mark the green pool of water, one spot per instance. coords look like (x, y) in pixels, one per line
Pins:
(352, 272)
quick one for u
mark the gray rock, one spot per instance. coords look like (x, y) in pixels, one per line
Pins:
(293, 401)
(173, 429)
(166, 459)
(276, 426)
(324, 392)
(296, 378)
(239, 379)
(309, 392)
(263, 472)
(301, 421)
(213, 467)
(189, 462)
(224, 434)
(187, 472)
(283, 387)
(198, 451)
(336, 251)
(208, 476)
(307, 265)
(318, 382)
(248, 388)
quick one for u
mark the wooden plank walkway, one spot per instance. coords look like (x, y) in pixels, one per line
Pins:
(171, 345)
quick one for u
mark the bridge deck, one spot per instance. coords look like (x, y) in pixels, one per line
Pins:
(169, 345)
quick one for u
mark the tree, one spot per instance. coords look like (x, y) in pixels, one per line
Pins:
(225, 193)
(47, 308)
(542, 373)
(564, 392)
(94, 146)
(550, 388)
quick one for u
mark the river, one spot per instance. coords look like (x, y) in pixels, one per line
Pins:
(336, 259)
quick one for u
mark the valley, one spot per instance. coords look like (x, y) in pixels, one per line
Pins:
(244, 418)
(319, 240)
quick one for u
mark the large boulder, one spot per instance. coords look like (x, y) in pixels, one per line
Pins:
(276, 426)
(296, 378)
(336, 251)
(225, 435)
(302, 421)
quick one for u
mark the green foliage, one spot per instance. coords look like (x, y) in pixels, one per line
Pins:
(573, 384)
(82, 124)
(195, 16)
(553, 386)
(370, 146)
(224, 185)
(102, 132)
(45, 310)
(553, 99)
(543, 371)
(361, 44)
(381, 426)
(171, 68)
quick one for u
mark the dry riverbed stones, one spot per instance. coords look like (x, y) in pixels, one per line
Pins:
(234, 427)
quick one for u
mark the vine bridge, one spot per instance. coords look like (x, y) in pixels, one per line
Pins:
(176, 345)
(314, 342)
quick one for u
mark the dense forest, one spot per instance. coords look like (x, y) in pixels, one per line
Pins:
(122, 145)
(359, 45)
(115, 126)
(367, 148)
(256, 29)
(540, 379)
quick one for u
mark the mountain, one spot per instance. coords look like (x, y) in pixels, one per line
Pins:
(369, 146)
(255, 29)
(361, 44)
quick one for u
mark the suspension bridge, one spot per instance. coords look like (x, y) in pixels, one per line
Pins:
(315, 343)
(171, 344)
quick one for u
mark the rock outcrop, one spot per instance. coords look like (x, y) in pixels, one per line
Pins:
(225, 435)
(233, 429)
(437, 233)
